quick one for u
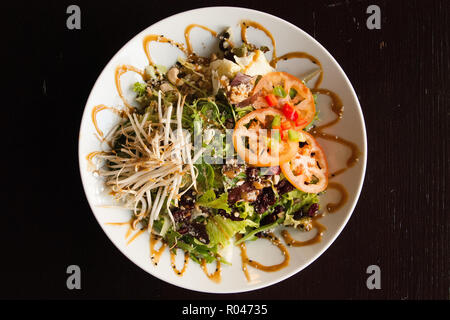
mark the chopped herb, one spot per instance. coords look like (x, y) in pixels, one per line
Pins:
(279, 91)
(292, 93)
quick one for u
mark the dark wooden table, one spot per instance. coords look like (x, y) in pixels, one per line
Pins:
(401, 223)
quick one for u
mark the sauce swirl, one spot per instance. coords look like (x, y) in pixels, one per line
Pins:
(254, 59)
(338, 109)
(246, 261)
(120, 70)
(94, 114)
(161, 39)
(332, 207)
(248, 23)
(155, 254)
(187, 33)
(129, 230)
(216, 275)
(303, 55)
(137, 234)
(173, 256)
(291, 242)
(91, 156)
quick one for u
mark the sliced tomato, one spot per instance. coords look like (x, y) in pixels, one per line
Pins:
(302, 101)
(258, 144)
(308, 169)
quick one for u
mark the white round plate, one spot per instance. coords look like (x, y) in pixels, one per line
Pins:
(288, 38)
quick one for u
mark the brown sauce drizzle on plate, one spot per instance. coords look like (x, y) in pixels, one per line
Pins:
(95, 112)
(173, 255)
(129, 230)
(216, 275)
(291, 242)
(338, 109)
(246, 261)
(120, 70)
(302, 55)
(119, 223)
(336, 106)
(187, 33)
(91, 157)
(162, 39)
(248, 23)
(137, 234)
(355, 153)
(254, 59)
(155, 255)
(333, 207)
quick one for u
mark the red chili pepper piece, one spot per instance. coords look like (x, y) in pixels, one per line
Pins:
(290, 112)
(271, 100)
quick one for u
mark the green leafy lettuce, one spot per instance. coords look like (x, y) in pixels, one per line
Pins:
(221, 230)
(140, 89)
(206, 176)
(197, 250)
(294, 201)
(209, 200)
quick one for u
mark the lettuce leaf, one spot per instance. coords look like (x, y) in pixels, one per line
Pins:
(246, 210)
(251, 235)
(304, 223)
(229, 183)
(206, 176)
(209, 200)
(197, 250)
(221, 230)
(140, 88)
(296, 200)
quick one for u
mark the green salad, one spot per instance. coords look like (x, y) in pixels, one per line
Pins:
(173, 161)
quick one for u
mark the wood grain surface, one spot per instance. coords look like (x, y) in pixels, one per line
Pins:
(401, 222)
